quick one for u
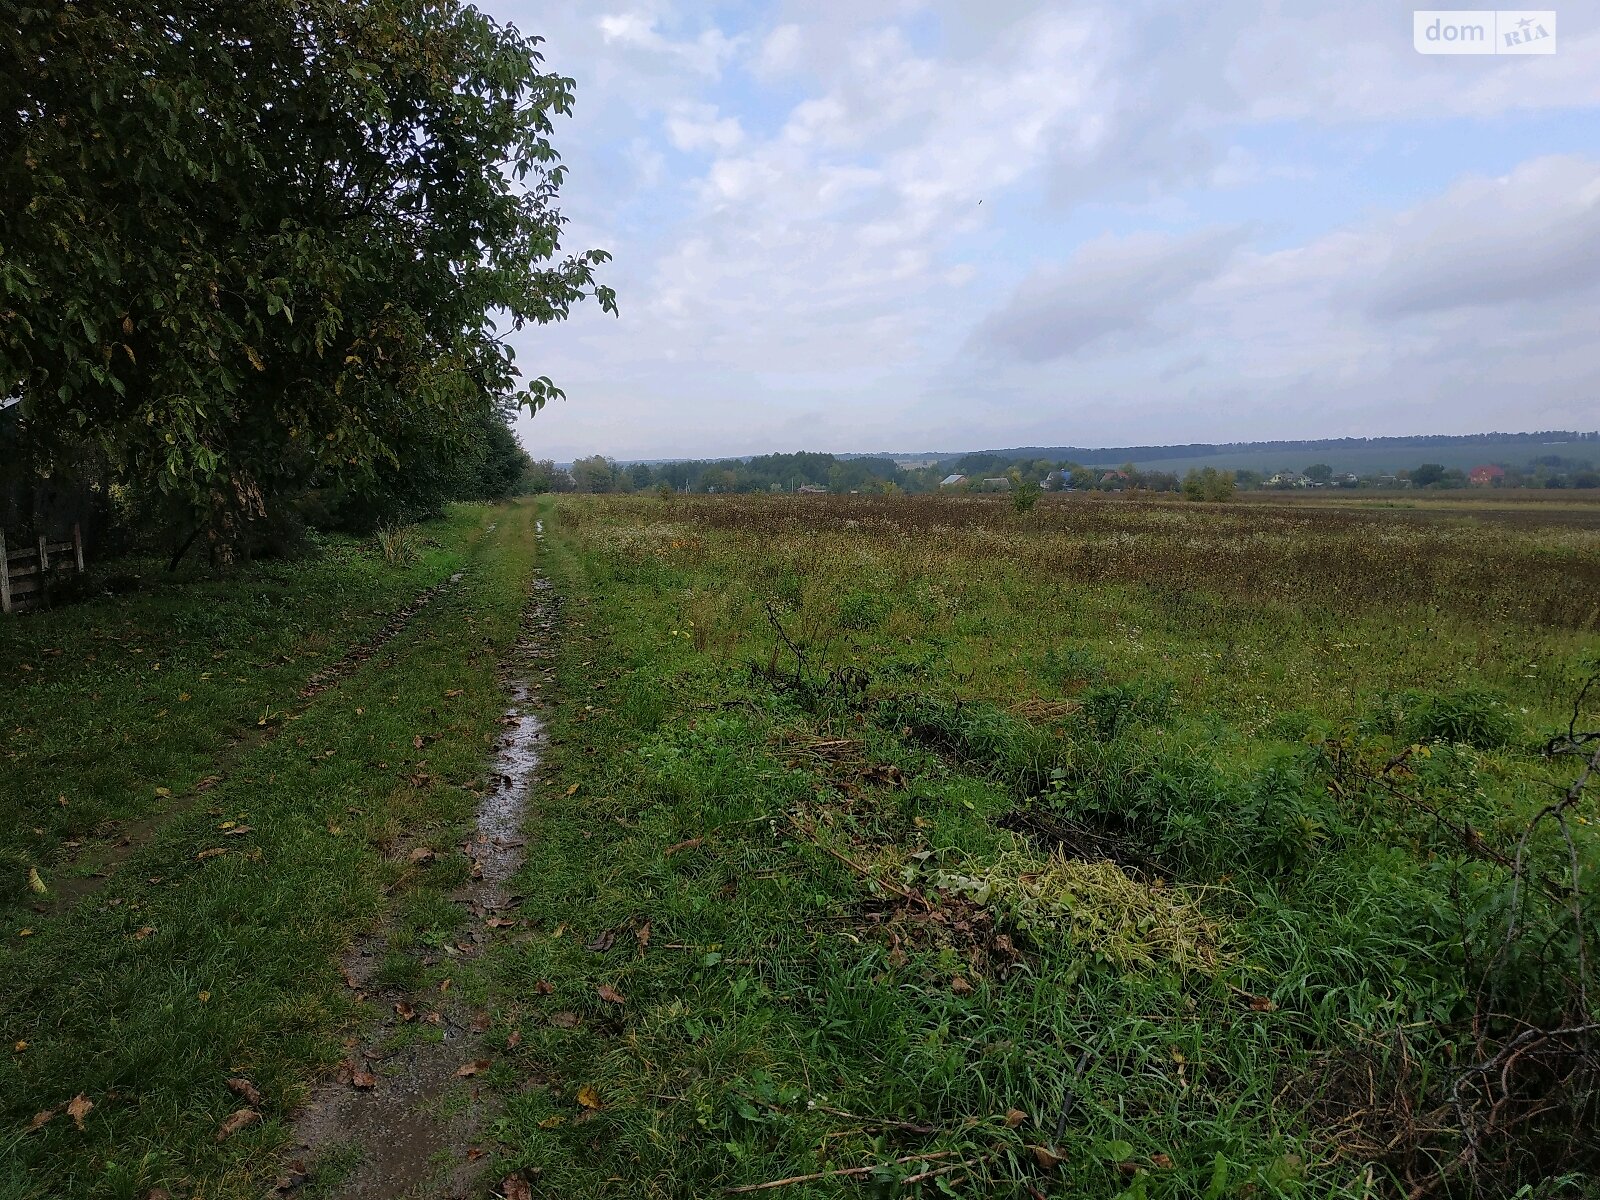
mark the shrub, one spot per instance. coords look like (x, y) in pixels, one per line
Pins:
(1112, 708)
(398, 544)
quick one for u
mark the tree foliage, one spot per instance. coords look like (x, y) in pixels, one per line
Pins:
(251, 246)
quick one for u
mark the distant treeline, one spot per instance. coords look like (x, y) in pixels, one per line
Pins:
(1120, 454)
(997, 471)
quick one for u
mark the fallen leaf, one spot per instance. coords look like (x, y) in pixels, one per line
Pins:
(1045, 1157)
(606, 992)
(552, 1122)
(404, 1011)
(78, 1108)
(565, 1020)
(588, 1096)
(960, 986)
(163, 791)
(35, 884)
(211, 853)
(468, 1070)
(245, 1090)
(416, 742)
(143, 932)
(243, 1117)
(572, 790)
(500, 922)
(421, 855)
(1164, 1161)
(24, 933)
(204, 997)
(40, 1118)
(543, 988)
(20, 1046)
(516, 1187)
(480, 1022)
(602, 943)
(514, 1040)
(1262, 1004)
(239, 831)
(692, 844)
(1015, 1117)
(642, 935)
(452, 693)
(363, 1081)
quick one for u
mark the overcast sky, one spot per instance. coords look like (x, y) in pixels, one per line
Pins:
(913, 226)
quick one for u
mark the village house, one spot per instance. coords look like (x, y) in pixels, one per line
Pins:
(952, 481)
(1487, 475)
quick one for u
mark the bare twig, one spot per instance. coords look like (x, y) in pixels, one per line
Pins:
(906, 894)
(838, 1173)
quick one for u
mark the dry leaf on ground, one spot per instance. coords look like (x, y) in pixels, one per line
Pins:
(236, 1122)
(78, 1108)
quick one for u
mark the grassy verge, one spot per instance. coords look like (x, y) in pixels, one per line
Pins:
(871, 857)
(213, 952)
(116, 705)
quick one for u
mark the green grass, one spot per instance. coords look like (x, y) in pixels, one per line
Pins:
(182, 971)
(973, 733)
(873, 836)
(109, 701)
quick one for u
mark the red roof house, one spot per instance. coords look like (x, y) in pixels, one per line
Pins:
(1486, 476)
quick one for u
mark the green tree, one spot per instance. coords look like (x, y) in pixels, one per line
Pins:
(250, 247)
(1427, 475)
(1024, 496)
(1208, 484)
(597, 473)
(1319, 473)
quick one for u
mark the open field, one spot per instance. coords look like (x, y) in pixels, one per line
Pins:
(929, 842)
(881, 847)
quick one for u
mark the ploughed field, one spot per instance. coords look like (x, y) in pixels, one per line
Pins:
(891, 847)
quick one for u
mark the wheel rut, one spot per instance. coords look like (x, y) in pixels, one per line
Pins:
(399, 1116)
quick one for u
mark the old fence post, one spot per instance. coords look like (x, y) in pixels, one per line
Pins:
(44, 570)
(77, 545)
(5, 576)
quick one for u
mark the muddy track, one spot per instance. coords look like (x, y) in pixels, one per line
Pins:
(394, 1101)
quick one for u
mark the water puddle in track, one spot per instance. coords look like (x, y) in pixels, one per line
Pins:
(392, 1123)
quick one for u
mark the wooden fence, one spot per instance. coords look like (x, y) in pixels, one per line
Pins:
(26, 575)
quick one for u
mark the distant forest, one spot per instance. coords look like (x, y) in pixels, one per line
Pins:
(1550, 459)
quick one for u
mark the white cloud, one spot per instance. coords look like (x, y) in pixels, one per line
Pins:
(699, 127)
(812, 264)
(1110, 290)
